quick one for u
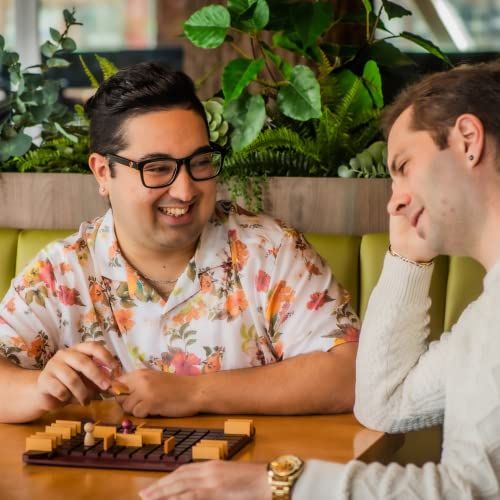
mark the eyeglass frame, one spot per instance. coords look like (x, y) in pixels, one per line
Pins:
(139, 165)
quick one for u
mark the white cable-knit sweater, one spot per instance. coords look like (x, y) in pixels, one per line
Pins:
(404, 383)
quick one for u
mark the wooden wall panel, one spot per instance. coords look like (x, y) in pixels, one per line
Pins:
(324, 205)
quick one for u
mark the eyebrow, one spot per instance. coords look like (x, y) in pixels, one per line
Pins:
(152, 156)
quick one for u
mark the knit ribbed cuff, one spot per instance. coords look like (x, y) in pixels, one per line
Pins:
(319, 479)
(404, 282)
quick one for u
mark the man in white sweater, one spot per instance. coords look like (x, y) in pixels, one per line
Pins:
(444, 158)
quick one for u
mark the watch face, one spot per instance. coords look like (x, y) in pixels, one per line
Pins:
(285, 465)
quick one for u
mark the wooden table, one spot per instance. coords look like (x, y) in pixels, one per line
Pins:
(338, 438)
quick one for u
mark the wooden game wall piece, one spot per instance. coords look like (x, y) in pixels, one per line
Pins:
(39, 443)
(75, 423)
(206, 452)
(100, 431)
(217, 442)
(108, 441)
(169, 444)
(58, 437)
(118, 388)
(128, 439)
(64, 432)
(150, 435)
(239, 426)
(70, 425)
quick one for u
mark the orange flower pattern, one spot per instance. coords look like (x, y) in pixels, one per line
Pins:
(254, 293)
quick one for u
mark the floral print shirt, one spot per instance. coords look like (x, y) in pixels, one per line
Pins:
(255, 292)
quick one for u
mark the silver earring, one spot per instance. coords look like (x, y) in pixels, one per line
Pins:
(471, 157)
(102, 190)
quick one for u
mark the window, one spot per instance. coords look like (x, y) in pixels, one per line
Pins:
(454, 25)
(111, 25)
(7, 22)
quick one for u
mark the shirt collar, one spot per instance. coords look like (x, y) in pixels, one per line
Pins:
(211, 252)
(111, 262)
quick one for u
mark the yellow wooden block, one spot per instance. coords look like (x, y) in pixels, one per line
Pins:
(108, 441)
(128, 439)
(239, 426)
(71, 427)
(216, 442)
(39, 443)
(64, 432)
(56, 438)
(76, 423)
(169, 444)
(150, 436)
(204, 452)
(100, 431)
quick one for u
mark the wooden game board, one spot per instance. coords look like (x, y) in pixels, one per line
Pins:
(72, 453)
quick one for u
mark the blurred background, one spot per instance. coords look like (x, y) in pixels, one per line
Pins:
(129, 31)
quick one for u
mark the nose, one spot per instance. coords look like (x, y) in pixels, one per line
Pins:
(399, 202)
(183, 188)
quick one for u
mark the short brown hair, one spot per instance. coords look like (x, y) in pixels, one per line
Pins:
(439, 99)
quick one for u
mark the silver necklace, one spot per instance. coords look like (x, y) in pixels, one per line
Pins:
(162, 282)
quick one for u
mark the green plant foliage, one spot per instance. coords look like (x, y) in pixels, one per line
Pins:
(32, 112)
(372, 162)
(92, 79)
(217, 125)
(59, 154)
(299, 119)
(106, 67)
(246, 115)
(300, 99)
(237, 75)
(207, 27)
(249, 15)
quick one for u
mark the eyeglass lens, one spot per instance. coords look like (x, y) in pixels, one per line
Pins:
(201, 166)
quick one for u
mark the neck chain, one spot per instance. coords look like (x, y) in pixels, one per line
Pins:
(162, 282)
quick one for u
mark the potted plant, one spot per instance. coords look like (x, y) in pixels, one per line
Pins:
(40, 135)
(317, 117)
(288, 120)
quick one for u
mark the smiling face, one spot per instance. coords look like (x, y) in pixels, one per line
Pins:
(164, 219)
(431, 187)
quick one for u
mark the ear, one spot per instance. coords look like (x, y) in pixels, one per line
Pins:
(469, 136)
(100, 168)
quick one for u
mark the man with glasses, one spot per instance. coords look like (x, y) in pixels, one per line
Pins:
(193, 305)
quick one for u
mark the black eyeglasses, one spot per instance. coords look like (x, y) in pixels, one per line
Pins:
(162, 171)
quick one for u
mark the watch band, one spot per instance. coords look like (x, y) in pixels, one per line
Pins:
(282, 473)
(280, 490)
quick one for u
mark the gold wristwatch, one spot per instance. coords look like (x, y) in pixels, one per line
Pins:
(282, 473)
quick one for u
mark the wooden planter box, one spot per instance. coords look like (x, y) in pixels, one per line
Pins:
(323, 205)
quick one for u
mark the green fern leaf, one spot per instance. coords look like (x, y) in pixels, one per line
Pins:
(92, 79)
(108, 69)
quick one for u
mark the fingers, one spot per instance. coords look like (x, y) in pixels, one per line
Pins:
(97, 350)
(54, 393)
(129, 403)
(84, 365)
(62, 381)
(185, 482)
(66, 374)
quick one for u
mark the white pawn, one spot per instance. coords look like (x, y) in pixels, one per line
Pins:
(89, 439)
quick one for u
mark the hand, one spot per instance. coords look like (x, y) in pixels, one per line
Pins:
(71, 374)
(406, 242)
(158, 393)
(212, 480)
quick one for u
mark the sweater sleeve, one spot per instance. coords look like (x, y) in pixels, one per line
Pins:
(407, 391)
(399, 376)
(359, 481)
(399, 387)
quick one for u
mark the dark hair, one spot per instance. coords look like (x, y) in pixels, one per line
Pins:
(133, 91)
(439, 99)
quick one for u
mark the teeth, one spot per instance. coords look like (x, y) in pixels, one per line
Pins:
(174, 212)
